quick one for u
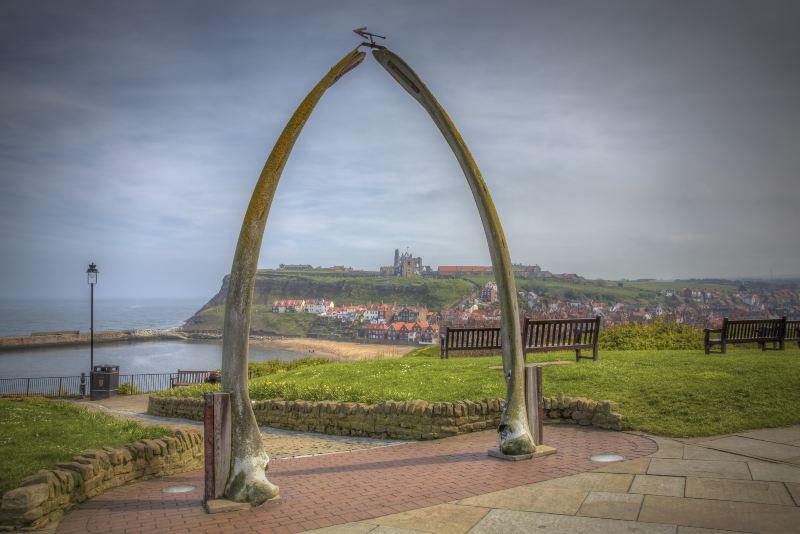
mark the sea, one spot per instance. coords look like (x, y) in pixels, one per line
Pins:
(21, 318)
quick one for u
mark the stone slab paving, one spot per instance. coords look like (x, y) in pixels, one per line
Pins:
(683, 488)
(658, 485)
(757, 448)
(333, 489)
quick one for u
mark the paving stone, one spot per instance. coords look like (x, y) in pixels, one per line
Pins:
(218, 506)
(794, 489)
(699, 468)
(346, 528)
(611, 505)
(658, 485)
(513, 522)
(532, 498)
(394, 530)
(634, 467)
(441, 519)
(613, 482)
(696, 530)
(755, 448)
(777, 435)
(724, 515)
(693, 452)
(738, 490)
(668, 448)
(776, 472)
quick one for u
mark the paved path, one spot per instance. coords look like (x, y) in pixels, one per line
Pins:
(333, 489)
(745, 482)
(279, 443)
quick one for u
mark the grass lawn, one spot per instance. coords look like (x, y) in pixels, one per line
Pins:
(666, 392)
(37, 433)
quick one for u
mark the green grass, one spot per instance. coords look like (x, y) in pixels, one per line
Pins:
(667, 392)
(637, 293)
(37, 433)
(348, 289)
(263, 321)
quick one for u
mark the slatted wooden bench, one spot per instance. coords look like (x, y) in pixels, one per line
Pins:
(469, 339)
(537, 336)
(562, 334)
(760, 331)
(189, 378)
(793, 331)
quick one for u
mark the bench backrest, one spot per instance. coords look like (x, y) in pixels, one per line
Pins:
(562, 333)
(191, 377)
(793, 330)
(754, 329)
(472, 338)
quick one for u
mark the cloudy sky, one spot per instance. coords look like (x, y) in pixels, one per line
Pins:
(619, 139)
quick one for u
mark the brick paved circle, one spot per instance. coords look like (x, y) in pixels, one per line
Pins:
(338, 488)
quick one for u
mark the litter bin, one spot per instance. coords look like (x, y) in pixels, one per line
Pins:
(105, 381)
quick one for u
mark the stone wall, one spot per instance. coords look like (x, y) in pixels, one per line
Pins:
(413, 420)
(45, 496)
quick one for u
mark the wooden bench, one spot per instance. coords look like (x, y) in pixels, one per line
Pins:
(761, 331)
(562, 334)
(537, 336)
(793, 331)
(470, 339)
(189, 378)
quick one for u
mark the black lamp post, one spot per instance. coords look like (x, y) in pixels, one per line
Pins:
(91, 278)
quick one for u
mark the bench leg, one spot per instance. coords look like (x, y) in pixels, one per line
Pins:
(723, 348)
(577, 355)
(707, 342)
(594, 353)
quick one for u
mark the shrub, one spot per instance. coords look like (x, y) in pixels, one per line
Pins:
(658, 335)
(128, 389)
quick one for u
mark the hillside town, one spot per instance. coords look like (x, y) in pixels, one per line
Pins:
(415, 324)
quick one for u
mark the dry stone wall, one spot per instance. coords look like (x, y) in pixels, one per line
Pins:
(45, 496)
(412, 420)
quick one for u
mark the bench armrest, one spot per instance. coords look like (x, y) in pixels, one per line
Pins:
(712, 330)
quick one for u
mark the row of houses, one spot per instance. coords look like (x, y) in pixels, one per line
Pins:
(416, 332)
(316, 306)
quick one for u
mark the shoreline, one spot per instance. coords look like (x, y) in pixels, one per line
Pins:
(333, 350)
(312, 348)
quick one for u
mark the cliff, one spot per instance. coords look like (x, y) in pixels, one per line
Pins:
(342, 288)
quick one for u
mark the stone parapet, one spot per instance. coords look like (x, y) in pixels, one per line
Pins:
(411, 420)
(45, 496)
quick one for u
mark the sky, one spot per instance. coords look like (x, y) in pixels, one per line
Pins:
(619, 139)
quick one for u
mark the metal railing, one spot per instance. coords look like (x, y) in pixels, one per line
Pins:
(142, 383)
(51, 386)
(70, 386)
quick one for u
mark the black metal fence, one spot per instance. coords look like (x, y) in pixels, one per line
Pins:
(70, 386)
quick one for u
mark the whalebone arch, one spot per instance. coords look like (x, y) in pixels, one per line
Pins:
(247, 478)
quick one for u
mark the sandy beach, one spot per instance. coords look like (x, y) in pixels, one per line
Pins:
(336, 350)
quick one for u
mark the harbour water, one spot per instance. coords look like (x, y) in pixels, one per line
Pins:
(23, 317)
(132, 358)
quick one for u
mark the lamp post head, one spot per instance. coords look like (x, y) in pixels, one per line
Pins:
(91, 274)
